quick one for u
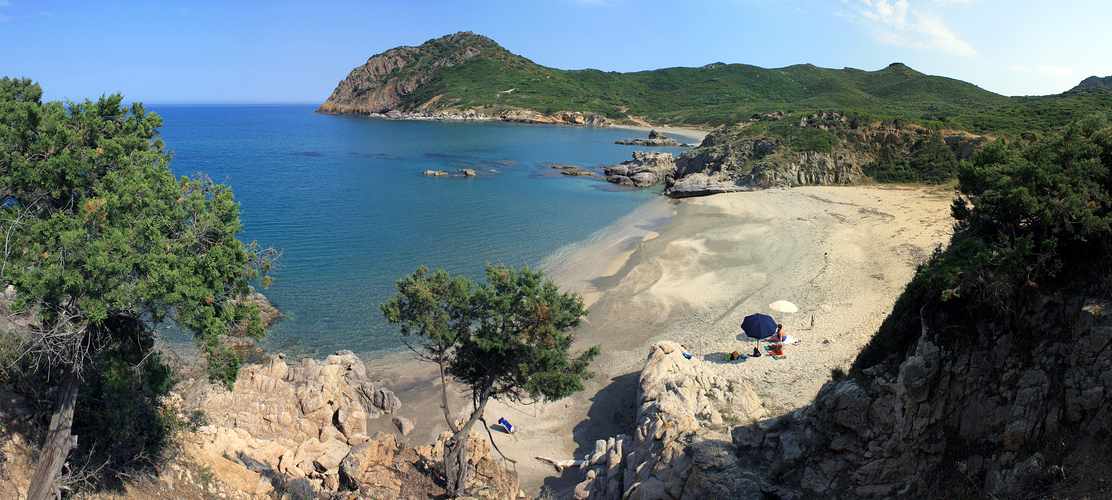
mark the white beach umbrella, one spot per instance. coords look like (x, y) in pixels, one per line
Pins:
(783, 306)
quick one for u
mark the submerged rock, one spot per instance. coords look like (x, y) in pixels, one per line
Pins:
(572, 170)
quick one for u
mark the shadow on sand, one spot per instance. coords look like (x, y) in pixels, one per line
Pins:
(612, 412)
(723, 358)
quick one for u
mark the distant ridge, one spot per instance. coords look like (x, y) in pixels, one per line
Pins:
(1095, 83)
(469, 76)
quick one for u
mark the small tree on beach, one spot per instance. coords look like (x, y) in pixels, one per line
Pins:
(507, 338)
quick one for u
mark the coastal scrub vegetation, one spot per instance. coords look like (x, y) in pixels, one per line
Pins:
(930, 162)
(101, 242)
(1030, 218)
(507, 338)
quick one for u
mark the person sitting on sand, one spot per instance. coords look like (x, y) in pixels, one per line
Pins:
(782, 337)
(777, 337)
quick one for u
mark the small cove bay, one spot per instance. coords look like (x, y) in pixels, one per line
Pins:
(345, 201)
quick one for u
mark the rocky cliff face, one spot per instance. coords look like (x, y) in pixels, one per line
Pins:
(302, 428)
(679, 448)
(380, 85)
(730, 161)
(997, 414)
(994, 415)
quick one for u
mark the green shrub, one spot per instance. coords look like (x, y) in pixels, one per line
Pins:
(931, 162)
(814, 140)
(1028, 218)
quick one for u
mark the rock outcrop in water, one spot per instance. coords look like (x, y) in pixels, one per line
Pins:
(655, 139)
(645, 169)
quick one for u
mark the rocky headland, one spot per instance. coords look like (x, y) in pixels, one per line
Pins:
(382, 86)
(733, 159)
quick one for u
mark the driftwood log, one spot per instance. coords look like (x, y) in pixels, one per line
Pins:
(561, 464)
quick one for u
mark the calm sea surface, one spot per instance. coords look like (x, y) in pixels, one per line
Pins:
(345, 201)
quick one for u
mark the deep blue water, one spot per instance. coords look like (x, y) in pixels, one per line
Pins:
(345, 201)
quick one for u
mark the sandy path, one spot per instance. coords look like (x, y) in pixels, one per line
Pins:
(841, 254)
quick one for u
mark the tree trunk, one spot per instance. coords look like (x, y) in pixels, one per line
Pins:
(59, 440)
(456, 471)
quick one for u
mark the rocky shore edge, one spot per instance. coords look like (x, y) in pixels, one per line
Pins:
(471, 115)
(302, 428)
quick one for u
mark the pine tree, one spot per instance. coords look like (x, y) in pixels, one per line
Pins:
(99, 236)
(508, 338)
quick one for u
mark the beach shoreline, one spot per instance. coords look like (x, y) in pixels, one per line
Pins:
(579, 266)
(681, 134)
(842, 254)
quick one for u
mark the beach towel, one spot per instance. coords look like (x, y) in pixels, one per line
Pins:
(774, 355)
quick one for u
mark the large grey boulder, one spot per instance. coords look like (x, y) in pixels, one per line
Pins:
(677, 447)
(645, 169)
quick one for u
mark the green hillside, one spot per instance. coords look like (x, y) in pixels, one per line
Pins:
(491, 78)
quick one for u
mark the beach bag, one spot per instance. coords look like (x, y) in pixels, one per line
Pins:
(756, 352)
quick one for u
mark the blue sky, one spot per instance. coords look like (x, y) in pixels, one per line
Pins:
(183, 51)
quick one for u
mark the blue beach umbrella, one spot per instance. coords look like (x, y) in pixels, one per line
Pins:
(759, 326)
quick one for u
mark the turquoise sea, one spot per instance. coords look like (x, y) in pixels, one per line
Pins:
(345, 201)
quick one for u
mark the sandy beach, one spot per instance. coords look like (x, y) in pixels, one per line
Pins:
(681, 134)
(841, 254)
